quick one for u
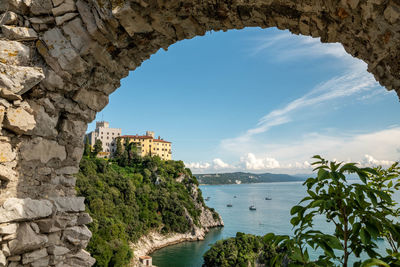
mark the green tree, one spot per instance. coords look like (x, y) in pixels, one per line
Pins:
(118, 151)
(98, 147)
(87, 149)
(361, 213)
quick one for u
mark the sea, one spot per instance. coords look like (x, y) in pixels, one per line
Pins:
(270, 216)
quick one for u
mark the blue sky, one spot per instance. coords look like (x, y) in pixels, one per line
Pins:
(259, 100)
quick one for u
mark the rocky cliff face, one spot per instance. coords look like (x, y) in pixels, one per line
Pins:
(155, 240)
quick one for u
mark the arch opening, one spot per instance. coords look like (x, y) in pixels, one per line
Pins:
(60, 60)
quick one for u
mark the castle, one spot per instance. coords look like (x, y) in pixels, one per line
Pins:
(146, 144)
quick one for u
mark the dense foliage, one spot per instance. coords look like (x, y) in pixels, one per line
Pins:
(242, 250)
(245, 178)
(129, 196)
(360, 213)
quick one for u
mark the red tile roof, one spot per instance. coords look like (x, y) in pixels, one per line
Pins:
(144, 137)
(161, 141)
(145, 257)
(137, 136)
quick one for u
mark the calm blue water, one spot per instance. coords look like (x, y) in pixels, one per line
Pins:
(270, 216)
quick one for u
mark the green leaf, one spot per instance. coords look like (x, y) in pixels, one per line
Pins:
(372, 197)
(365, 237)
(372, 230)
(333, 242)
(317, 203)
(374, 262)
(356, 228)
(296, 209)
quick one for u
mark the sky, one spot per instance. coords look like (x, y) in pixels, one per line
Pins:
(259, 100)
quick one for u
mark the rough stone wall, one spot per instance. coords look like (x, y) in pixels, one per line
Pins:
(60, 59)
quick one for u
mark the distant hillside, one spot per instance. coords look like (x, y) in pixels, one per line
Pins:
(245, 178)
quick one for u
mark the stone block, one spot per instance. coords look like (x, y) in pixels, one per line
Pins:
(8, 228)
(17, 209)
(43, 262)
(5, 249)
(77, 235)
(34, 256)
(61, 50)
(6, 154)
(84, 218)
(64, 18)
(92, 99)
(63, 220)
(7, 94)
(57, 2)
(12, 52)
(90, 22)
(9, 237)
(19, 79)
(3, 260)
(42, 20)
(45, 124)
(35, 227)
(19, 120)
(69, 204)
(8, 18)
(131, 20)
(39, 7)
(19, 33)
(81, 258)
(65, 7)
(43, 150)
(57, 250)
(54, 239)
(27, 240)
(47, 225)
(392, 13)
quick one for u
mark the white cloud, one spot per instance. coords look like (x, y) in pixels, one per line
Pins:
(355, 82)
(369, 161)
(368, 149)
(252, 163)
(197, 165)
(292, 47)
(219, 164)
(347, 85)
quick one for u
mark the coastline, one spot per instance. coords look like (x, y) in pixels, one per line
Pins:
(155, 240)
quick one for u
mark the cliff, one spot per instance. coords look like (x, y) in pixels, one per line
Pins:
(155, 240)
(139, 205)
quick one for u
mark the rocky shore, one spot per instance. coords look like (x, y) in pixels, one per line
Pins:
(155, 240)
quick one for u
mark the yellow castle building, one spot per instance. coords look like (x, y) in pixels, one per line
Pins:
(148, 145)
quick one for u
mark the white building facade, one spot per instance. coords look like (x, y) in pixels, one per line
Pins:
(106, 135)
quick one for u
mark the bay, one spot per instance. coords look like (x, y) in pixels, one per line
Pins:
(271, 216)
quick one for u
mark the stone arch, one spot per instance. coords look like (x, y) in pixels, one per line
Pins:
(60, 59)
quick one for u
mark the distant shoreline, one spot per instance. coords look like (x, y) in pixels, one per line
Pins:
(299, 181)
(245, 178)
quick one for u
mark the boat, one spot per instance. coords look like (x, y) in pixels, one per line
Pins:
(268, 198)
(234, 196)
(252, 207)
(207, 199)
(229, 205)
